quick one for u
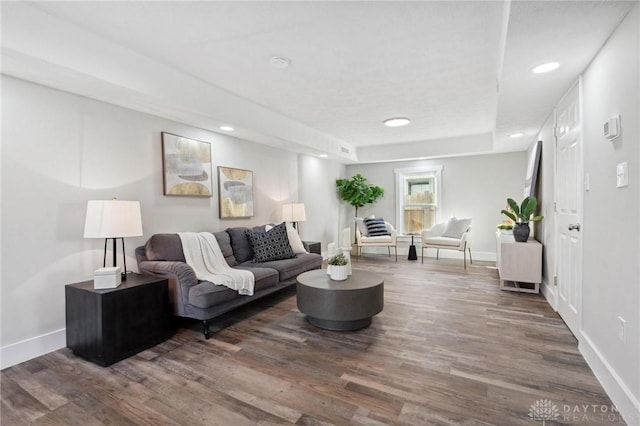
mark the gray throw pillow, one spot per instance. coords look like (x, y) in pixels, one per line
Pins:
(224, 241)
(240, 243)
(270, 245)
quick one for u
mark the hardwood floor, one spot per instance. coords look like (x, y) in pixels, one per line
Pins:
(449, 348)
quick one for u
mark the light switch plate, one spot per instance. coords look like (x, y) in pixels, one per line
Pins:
(622, 175)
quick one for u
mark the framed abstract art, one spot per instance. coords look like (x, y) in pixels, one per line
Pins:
(186, 165)
(235, 193)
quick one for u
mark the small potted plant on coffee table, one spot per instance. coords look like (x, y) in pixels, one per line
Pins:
(521, 216)
(338, 267)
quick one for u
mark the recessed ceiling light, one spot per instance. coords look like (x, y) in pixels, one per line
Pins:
(549, 66)
(227, 128)
(280, 62)
(323, 155)
(516, 135)
(396, 122)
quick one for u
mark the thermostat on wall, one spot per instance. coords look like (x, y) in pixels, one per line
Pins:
(612, 128)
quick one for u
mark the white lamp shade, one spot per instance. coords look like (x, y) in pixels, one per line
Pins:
(293, 212)
(112, 219)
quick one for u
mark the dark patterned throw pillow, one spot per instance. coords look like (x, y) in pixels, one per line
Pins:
(270, 245)
(376, 227)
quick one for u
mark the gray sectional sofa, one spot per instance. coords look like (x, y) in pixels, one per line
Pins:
(162, 256)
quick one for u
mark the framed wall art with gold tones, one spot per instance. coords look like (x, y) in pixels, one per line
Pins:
(235, 193)
(186, 164)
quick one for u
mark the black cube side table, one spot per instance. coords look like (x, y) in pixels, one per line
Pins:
(106, 326)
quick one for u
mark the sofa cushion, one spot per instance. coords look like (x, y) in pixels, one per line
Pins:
(378, 239)
(224, 241)
(242, 250)
(443, 241)
(265, 277)
(206, 294)
(164, 247)
(270, 245)
(289, 268)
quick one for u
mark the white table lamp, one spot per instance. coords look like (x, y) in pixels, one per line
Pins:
(293, 213)
(113, 220)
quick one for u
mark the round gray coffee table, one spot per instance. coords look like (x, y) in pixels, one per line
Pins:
(340, 305)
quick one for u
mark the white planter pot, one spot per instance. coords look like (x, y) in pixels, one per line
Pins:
(339, 273)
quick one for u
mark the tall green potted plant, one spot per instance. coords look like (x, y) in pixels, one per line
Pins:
(521, 216)
(358, 192)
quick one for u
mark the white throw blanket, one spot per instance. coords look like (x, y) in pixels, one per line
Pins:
(203, 254)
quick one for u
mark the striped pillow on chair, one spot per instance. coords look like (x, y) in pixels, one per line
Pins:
(376, 227)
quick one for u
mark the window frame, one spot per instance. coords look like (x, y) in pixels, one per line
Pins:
(401, 174)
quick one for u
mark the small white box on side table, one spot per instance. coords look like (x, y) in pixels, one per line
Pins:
(109, 277)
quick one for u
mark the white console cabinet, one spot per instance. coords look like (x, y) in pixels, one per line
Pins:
(519, 264)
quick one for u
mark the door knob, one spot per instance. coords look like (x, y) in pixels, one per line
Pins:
(574, 226)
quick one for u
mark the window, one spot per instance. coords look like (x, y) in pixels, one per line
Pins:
(418, 198)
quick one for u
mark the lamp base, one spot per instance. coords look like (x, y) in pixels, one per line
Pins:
(124, 256)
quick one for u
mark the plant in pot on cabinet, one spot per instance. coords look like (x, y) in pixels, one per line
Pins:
(521, 215)
(338, 266)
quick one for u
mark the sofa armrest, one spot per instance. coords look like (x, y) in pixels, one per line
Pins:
(312, 246)
(183, 272)
(180, 275)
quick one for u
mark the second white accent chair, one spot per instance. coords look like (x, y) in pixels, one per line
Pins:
(451, 235)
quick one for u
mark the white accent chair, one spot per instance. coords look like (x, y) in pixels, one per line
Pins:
(387, 241)
(438, 238)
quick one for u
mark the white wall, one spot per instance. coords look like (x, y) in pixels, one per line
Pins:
(474, 186)
(325, 211)
(611, 284)
(60, 150)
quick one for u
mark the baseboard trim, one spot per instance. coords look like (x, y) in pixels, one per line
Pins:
(549, 293)
(431, 253)
(485, 256)
(25, 350)
(621, 396)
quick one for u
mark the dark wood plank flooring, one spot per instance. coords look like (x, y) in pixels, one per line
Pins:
(449, 348)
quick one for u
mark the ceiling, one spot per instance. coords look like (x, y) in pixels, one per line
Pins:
(460, 70)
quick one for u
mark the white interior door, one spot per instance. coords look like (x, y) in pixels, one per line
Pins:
(569, 208)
